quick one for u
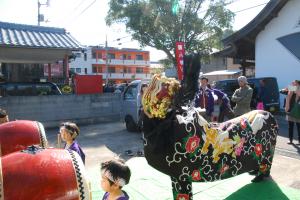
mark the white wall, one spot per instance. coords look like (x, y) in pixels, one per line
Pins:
(81, 63)
(272, 58)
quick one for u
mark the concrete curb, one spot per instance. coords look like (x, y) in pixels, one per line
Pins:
(286, 152)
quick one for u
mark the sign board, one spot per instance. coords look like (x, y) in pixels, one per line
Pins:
(179, 59)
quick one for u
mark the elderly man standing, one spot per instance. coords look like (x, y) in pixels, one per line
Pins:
(242, 97)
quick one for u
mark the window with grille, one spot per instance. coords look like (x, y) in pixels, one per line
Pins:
(139, 70)
(94, 55)
(111, 56)
(139, 57)
(94, 69)
(111, 70)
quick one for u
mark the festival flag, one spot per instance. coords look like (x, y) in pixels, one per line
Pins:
(179, 59)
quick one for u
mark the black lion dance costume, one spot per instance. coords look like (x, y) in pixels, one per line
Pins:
(182, 144)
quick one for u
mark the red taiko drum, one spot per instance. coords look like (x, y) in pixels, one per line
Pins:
(18, 135)
(41, 174)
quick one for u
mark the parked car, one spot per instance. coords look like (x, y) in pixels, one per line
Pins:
(131, 105)
(108, 88)
(28, 89)
(121, 87)
(272, 101)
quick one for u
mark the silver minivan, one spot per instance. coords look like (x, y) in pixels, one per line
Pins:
(131, 105)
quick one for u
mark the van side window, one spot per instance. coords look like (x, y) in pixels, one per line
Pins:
(2, 92)
(11, 90)
(26, 90)
(131, 92)
(43, 89)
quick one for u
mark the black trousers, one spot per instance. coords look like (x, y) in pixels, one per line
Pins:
(225, 112)
(291, 130)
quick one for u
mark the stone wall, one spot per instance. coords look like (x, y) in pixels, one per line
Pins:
(51, 110)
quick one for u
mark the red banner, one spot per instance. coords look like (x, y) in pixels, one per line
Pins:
(179, 59)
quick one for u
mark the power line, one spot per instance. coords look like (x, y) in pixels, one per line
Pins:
(74, 9)
(234, 1)
(250, 7)
(68, 16)
(226, 4)
(86, 8)
(74, 18)
(118, 39)
(79, 5)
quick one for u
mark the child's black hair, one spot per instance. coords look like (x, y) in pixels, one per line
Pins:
(72, 128)
(117, 169)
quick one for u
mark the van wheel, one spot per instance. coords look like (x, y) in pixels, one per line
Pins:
(130, 125)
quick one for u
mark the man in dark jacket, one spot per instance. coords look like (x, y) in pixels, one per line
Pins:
(225, 107)
(204, 98)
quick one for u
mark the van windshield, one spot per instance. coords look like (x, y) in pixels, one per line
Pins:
(227, 87)
(131, 92)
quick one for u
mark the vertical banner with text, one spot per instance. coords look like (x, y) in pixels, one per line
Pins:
(179, 59)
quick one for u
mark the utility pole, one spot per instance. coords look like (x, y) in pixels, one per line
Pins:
(40, 17)
(106, 56)
(39, 6)
(106, 61)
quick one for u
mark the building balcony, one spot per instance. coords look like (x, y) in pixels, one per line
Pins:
(126, 76)
(122, 62)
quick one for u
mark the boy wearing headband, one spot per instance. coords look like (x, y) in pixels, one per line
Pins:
(115, 174)
(68, 132)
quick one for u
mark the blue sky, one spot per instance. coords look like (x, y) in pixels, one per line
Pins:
(84, 19)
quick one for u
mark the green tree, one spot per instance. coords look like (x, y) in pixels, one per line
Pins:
(167, 63)
(160, 23)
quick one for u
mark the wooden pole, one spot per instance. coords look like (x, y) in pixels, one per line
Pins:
(49, 72)
(58, 141)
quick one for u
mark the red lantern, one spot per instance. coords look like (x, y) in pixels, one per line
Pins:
(18, 135)
(38, 173)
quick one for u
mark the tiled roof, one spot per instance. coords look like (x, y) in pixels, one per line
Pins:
(27, 36)
(241, 44)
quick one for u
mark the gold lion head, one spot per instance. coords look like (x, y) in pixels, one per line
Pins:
(158, 96)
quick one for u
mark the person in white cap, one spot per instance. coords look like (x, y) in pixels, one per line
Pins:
(242, 97)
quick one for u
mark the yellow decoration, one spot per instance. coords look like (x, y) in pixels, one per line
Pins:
(221, 143)
(158, 96)
(66, 89)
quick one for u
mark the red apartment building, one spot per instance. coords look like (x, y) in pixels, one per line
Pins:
(121, 65)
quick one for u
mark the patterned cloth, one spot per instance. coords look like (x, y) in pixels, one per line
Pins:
(193, 150)
(183, 145)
